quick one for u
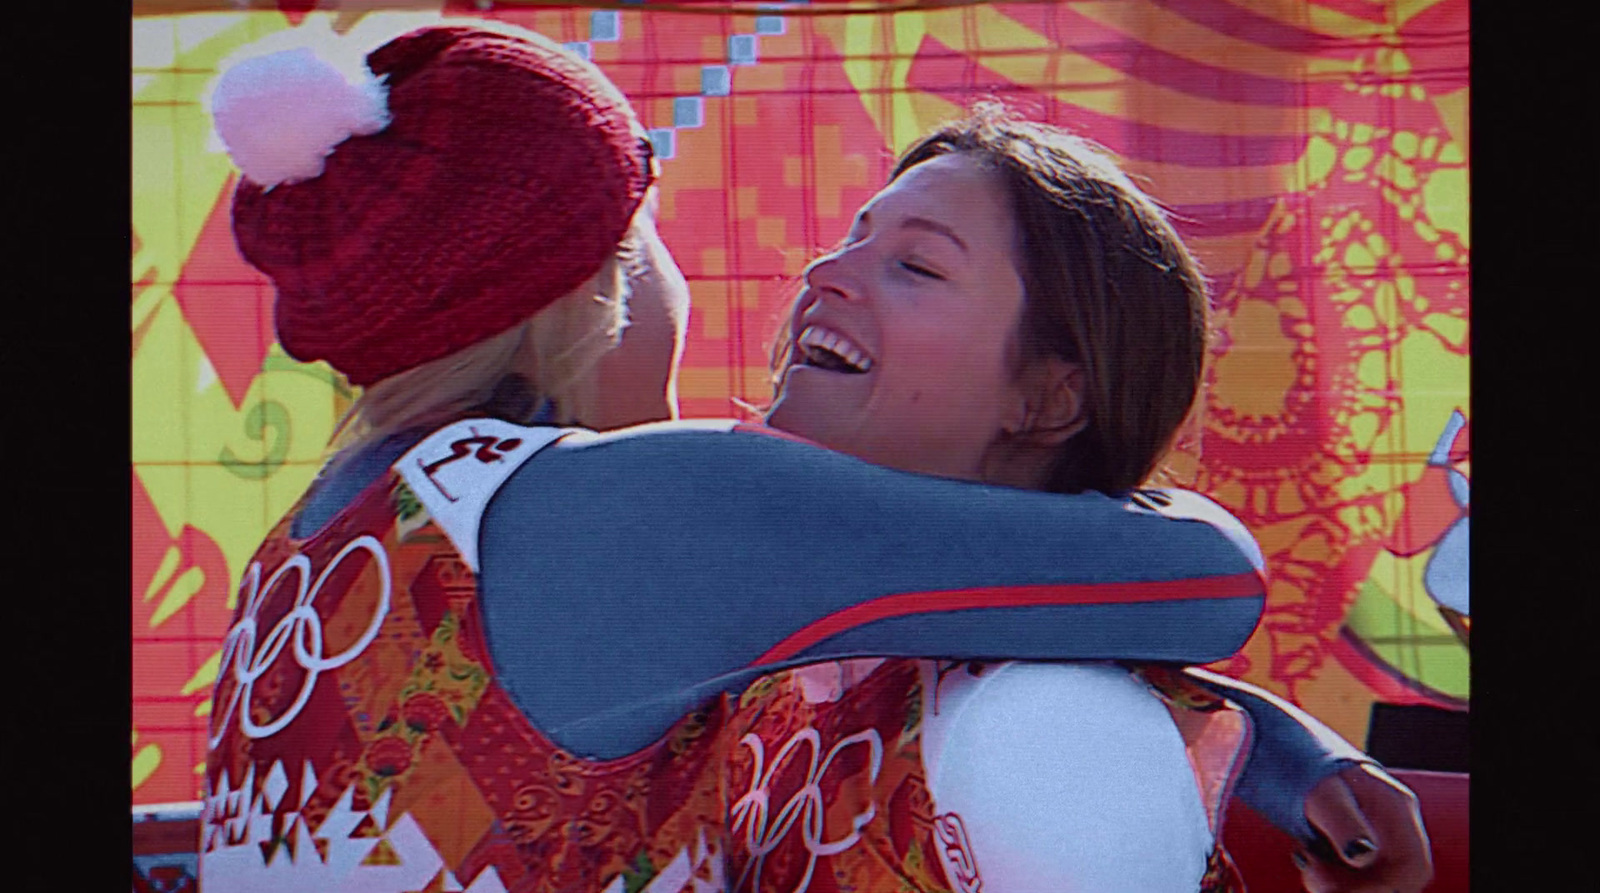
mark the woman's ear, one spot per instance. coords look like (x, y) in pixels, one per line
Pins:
(1052, 402)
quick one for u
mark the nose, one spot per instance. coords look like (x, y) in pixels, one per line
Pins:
(831, 273)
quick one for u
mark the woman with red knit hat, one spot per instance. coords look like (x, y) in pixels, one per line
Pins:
(491, 650)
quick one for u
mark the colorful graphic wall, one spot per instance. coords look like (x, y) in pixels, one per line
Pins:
(1315, 152)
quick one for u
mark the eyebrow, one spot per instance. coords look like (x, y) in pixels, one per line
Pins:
(922, 223)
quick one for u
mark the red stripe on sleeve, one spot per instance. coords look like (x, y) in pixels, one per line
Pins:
(909, 603)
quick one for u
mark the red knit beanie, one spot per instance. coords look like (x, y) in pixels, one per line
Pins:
(506, 176)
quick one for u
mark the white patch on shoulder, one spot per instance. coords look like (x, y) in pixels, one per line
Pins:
(456, 470)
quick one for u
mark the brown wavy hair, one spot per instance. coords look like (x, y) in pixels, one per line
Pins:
(1108, 285)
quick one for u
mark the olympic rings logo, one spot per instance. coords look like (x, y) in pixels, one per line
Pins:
(301, 628)
(960, 866)
(806, 807)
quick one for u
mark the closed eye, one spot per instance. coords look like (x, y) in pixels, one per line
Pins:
(918, 270)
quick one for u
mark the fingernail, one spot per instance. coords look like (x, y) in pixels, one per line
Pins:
(1358, 848)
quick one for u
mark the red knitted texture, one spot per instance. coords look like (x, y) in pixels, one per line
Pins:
(507, 177)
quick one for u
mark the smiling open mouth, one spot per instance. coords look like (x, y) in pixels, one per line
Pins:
(825, 349)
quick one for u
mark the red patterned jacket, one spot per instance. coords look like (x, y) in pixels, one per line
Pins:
(362, 739)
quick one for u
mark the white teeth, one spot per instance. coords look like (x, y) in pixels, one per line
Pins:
(833, 342)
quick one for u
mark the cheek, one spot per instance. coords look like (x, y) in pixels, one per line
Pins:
(934, 403)
(678, 298)
(961, 381)
(962, 356)
(639, 366)
(679, 322)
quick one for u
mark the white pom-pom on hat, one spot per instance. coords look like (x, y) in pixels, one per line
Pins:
(281, 114)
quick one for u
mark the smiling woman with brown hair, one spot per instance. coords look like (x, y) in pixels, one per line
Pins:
(1012, 310)
(1095, 302)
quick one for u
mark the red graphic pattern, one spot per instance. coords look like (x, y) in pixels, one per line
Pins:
(417, 722)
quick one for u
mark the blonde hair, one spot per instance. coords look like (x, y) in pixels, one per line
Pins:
(545, 358)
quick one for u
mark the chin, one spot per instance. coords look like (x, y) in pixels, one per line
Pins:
(807, 420)
(811, 402)
(786, 417)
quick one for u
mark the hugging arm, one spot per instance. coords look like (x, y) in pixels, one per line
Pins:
(1358, 827)
(1293, 752)
(629, 576)
(683, 562)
